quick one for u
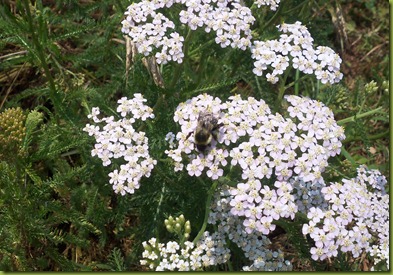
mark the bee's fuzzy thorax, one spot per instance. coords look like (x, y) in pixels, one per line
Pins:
(205, 130)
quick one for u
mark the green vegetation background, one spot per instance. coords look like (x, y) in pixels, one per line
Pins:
(58, 59)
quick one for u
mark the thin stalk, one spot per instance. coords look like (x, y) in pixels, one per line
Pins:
(318, 88)
(207, 211)
(357, 116)
(281, 90)
(163, 190)
(297, 82)
(274, 17)
(294, 83)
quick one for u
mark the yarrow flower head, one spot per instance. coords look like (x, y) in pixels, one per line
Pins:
(117, 139)
(150, 29)
(231, 21)
(263, 146)
(295, 45)
(173, 256)
(256, 246)
(356, 219)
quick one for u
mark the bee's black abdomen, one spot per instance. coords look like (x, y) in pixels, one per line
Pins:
(201, 147)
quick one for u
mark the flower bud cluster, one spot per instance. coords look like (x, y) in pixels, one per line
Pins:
(118, 139)
(371, 88)
(356, 220)
(12, 131)
(179, 226)
(295, 45)
(262, 146)
(210, 250)
(255, 245)
(341, 99)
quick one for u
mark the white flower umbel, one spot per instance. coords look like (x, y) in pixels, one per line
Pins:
(151, 30)
(231, 21)
(117, 139)
(295, 46)
(263, 147)
(153, 33)
(256, 246)
(356, 220)
(210, 250)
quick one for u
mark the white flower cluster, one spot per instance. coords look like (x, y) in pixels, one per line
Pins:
(150, 29)
(263, 146)
(357, 219)
(256, 246)
(152, 32)
(210, 250)
(118, 139)
(295, 45)
(230, 20)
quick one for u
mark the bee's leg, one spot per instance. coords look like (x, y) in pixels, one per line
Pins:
(218, 126)
(214, 130)
(189, 135)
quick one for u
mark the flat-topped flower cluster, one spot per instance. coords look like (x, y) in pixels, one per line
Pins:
(264, 148)
(155, 34)
(356, 218)
(210, 250)
(259, 142)
(255, 244)
(118, 139)
(149, 29)
(295, 46)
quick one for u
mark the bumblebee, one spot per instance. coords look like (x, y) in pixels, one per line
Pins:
(205, 131)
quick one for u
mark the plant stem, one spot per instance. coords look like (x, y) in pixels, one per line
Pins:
(274, 17)
(163, 190)
(207, 211)
(281, 90)
(297, 82)
(357, 116)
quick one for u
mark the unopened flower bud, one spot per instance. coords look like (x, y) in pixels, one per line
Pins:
(187, 227)
(169, 228)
